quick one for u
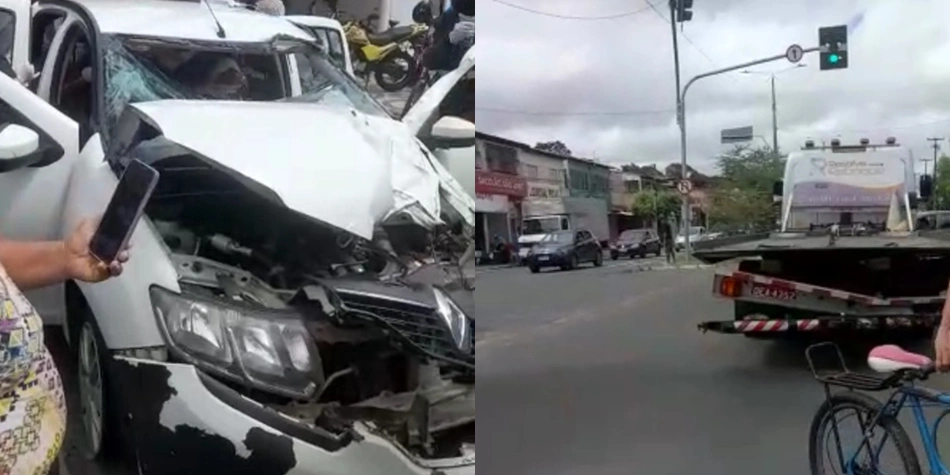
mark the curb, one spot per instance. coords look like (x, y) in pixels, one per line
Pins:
(646, 268)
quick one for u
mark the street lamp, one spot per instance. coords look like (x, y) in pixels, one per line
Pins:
(774, 111)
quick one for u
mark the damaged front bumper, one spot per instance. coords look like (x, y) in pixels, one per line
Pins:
(180, 421)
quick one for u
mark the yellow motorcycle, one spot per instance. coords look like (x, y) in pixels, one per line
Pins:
(387, 55)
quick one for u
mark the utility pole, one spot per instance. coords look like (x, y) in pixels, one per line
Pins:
(774, 104)
(774, 119)
(680, 12)
(936, 146)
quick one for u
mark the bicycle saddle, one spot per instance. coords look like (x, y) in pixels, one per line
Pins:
(890, 358)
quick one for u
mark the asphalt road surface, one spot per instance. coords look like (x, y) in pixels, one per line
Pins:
(602, 371)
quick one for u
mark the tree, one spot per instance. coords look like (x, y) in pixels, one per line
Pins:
(666, 203)
(743, 198)
(556, 147)
(941, 189)
(734, 209)
(755, 168)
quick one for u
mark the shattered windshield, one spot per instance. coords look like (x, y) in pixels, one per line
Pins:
(139, 69)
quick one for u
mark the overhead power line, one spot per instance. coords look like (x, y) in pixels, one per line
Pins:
(614, 16)
(571, 113)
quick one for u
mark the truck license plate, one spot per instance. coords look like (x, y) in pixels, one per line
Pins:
(773, 292)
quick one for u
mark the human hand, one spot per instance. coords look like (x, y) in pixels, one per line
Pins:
(81, 264)
(942, 348)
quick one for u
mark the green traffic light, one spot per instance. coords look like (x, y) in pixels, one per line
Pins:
(833, 58)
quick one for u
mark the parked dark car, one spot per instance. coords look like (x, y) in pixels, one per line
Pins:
(635, 243)
(565, 249)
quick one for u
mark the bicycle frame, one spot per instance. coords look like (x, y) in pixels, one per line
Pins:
(918, 398)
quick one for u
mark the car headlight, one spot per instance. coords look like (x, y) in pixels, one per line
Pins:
(267, 349)
(455, 318)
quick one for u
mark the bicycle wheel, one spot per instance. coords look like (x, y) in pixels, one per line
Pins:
(823, 453)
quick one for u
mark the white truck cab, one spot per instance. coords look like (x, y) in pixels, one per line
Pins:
(274, 187)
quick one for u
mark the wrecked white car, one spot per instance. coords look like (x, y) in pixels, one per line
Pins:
(271, 319)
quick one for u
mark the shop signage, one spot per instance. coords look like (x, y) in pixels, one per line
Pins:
(489, 183)
(491, 203)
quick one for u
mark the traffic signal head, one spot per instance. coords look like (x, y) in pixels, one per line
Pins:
(833, 41)
(683, 10)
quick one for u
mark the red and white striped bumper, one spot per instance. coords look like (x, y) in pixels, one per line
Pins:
(818, 324)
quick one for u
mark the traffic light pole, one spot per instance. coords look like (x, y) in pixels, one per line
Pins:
(681, 120)
(684, 213)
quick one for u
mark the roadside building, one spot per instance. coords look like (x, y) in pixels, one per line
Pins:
(624, 184)
(499, 190)
(588, 200)
(545, 174)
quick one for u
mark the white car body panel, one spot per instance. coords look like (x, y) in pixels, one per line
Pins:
(456, 166)
(338, 155)
(430, 100)
(32, 199)
(194, 406)
(187, 20)
(122, 304)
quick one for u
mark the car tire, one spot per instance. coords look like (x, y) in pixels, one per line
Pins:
(599, 260)
(573, 263)
(534, 269)
(95, 395)
(614, 256)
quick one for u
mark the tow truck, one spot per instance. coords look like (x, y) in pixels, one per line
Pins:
(847, 255)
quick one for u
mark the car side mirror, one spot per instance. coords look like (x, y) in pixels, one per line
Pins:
(19, 147)
(453, 132)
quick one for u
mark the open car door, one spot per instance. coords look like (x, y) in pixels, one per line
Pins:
(38, 148)
(443, 119)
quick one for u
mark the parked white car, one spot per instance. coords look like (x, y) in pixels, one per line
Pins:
(244, 335)
(329, 34)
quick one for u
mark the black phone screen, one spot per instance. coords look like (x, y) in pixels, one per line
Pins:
(119, 220)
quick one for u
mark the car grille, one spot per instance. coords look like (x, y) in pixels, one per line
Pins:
(420, 324)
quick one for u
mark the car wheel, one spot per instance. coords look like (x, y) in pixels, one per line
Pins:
(573, 264)
(95, 419)
(614, 255)
(599, 260)
(534, 269)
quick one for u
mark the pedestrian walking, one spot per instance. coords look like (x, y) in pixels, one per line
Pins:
(668, 244)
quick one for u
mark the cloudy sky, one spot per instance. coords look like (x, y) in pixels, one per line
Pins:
(606, 87)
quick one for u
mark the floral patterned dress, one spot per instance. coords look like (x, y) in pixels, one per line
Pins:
(32, 402)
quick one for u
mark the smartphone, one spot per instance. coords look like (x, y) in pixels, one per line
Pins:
(124, 210)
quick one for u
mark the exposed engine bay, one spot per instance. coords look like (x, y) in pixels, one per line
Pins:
(376, 346)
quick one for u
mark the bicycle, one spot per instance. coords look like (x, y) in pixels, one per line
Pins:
(898, 370)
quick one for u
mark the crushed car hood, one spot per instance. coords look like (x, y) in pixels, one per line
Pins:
(330, 163)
